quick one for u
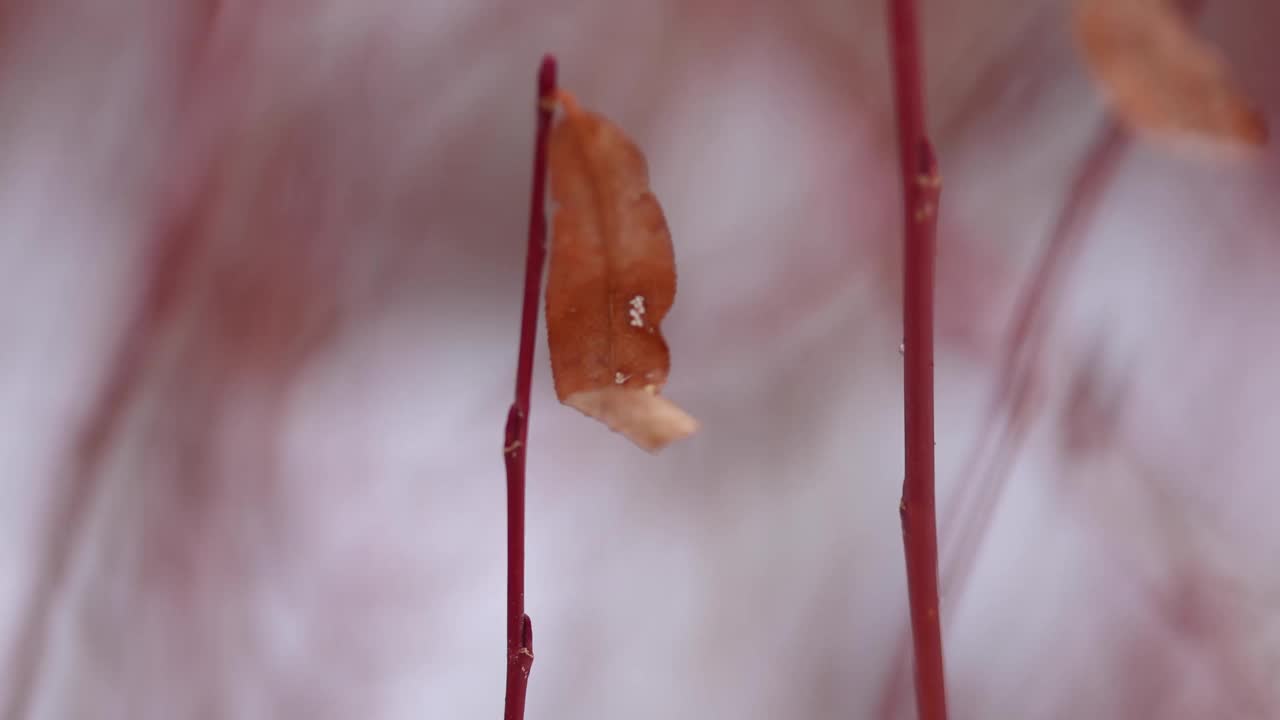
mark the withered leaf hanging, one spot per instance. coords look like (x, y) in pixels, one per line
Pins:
(1161, 78)
(611, 281)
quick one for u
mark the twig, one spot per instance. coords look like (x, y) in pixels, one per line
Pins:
(921, 185)
(985, 473)
(515, 440)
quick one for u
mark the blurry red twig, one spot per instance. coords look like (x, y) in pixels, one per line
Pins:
(981, 483)
(167, 262)
(519, 628)
(1008, 415)
(69, 511)
(921, 185)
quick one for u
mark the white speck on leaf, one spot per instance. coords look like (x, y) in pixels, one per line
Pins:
(637, 311)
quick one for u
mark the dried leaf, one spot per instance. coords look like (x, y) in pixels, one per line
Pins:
(1160, 77)
(611, 281)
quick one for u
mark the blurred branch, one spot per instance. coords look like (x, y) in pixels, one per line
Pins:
(519, 627)
(1008, 415)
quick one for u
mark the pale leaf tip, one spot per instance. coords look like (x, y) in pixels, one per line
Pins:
(649, 420)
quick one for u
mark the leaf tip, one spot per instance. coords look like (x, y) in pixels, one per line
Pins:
(643, 416)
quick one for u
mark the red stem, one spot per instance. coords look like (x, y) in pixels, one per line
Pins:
(920, 190)
(515, 440)
(985, 473)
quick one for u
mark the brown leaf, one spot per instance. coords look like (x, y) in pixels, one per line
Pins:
(611, 281)
(1160, 77)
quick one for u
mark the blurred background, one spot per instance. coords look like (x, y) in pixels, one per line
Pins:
(262, 265)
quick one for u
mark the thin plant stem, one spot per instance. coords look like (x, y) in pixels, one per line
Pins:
(515, 440)
(921, 185)
(985, 473)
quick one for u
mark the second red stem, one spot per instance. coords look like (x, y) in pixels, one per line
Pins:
(921, 184)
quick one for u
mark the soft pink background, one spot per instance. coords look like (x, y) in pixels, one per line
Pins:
(261, 266)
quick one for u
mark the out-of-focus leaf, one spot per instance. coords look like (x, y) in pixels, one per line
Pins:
(1160, 77)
